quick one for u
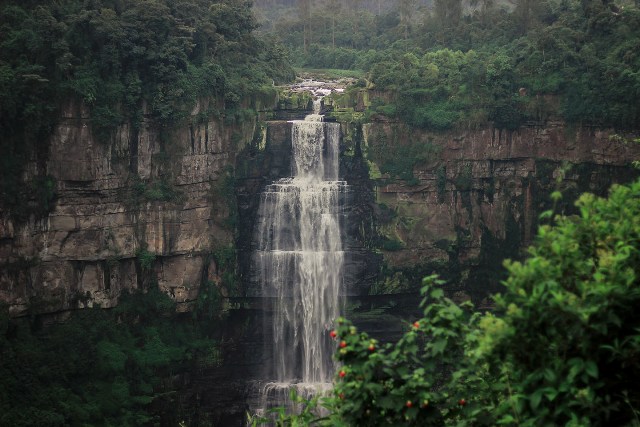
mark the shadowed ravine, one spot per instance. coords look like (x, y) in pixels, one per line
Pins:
(300, 261)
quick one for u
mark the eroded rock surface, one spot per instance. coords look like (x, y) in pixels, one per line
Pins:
(476, 197)
(142, 206)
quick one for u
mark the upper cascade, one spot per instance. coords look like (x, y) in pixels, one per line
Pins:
(315, 116)
(315, 147)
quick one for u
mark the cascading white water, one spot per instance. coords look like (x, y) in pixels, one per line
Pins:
(300, 260)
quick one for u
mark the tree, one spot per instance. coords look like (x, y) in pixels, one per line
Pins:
(448, 12)
(304, 13)
(407, 9)
(356, 9)
(115, 55)
(334, 7)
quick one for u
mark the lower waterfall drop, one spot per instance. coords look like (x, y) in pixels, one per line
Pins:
(300, 261)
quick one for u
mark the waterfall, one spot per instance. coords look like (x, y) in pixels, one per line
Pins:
(300, 261)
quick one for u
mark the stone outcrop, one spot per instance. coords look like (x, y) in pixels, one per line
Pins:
(146, 205)
(476, 198)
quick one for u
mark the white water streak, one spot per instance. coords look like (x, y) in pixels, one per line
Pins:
(300, 257)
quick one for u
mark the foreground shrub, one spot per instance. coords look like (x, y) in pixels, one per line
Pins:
(570, 325)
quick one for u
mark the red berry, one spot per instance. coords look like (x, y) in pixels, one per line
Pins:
(372, 347)
(341, 395)
(409, 404)
(342, 374)
(333, 334)
(424, 404)
(462, 402)
(416, 324)
(343, 344)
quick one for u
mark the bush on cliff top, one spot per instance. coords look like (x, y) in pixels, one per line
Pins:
(561, 347)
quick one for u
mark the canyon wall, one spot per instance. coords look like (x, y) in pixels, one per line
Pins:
(473, 198)
(153, 205)
(455, 203)
(148, 204)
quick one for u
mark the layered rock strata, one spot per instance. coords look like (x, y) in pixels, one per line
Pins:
(476, 197)
(146, 205)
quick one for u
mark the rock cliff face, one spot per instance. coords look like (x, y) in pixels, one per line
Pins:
(475, 197)
(152, 205)
(470, 200)
(147, 204)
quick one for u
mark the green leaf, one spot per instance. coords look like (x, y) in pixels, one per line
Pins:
(439, 346)
(535, 399)
(591, 368)
(507, 420)
(386, 402)
(550, 393)
(549, 375)
(576, 365)
(546, 214)
(437, 293)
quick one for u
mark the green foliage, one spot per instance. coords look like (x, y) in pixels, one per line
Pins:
(329, 57)
(390, 282)
(226, 267)
(208, 305)
(224, 189)
(398, 156)
(450, 63)
(121, 60)
(464, 178)
(37, 198)
(279, 417)
(560, 348)
(392, 245)
(153, 190)
(408, 382)
(225, 256)
(571, 307)
(44, 189)
(98, 367)
(330, 73)
(145, 258)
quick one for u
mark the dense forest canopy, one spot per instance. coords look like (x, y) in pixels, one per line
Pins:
(114, 54)
(123, 59)
(102, 367)
(457, 62)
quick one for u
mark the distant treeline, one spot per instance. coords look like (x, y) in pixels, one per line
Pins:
(455, 62)
(375, 6)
